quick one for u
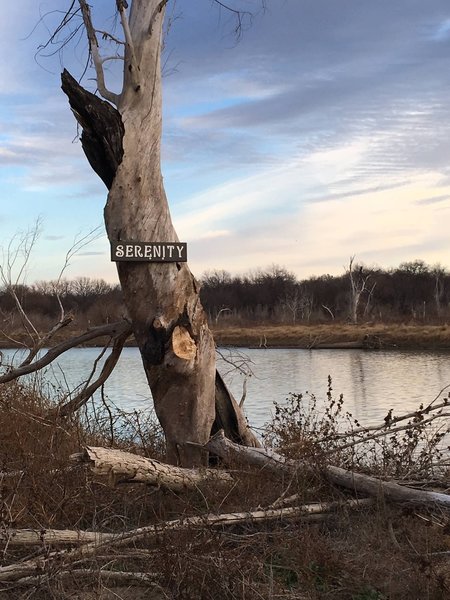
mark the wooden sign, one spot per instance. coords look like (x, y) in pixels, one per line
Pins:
(149, 251)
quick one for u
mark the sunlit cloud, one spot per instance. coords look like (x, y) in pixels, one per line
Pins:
(324, 133)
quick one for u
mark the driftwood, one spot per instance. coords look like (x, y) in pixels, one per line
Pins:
(124, 467)
(357, 482)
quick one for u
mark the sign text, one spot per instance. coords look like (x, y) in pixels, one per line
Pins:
(149, 251)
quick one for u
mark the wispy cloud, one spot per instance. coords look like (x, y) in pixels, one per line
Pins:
(325, 132)
(433, 200)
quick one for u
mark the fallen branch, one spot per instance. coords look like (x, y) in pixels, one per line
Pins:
(50, 537)
(357, 482)
(18, 571)
(39, 565)
(390, 490)
(124, 467)
(106, 576)
(262, 458)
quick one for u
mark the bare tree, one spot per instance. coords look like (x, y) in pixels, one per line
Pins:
(358, 285)
(122, 140)
(439, 273)
(298, 302)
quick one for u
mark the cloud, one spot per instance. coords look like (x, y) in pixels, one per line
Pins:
(433, 200)
(301, 145)
(214, 234)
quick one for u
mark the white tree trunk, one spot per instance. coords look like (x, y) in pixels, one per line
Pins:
(162, 299)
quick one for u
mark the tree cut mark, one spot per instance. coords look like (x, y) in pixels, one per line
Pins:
(183, 345)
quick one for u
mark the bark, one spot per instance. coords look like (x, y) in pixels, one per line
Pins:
(102, 129)
(229, 416)
(357, 482)
(162, 300)
(124, 467)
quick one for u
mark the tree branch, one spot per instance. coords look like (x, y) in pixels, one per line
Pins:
(95, 53)
(157, 10)
(80, 399)
(63, 322)
(103, 330)
(134, 65)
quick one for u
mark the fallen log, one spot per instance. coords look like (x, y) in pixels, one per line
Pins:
(357, 482)
(263, 458)
(115, 578)
(50, 537)
(373, 486)
(39, 564)
(124, 467)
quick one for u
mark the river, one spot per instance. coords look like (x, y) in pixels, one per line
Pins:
(372, 382)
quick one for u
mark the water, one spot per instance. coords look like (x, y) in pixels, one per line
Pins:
(372, 381)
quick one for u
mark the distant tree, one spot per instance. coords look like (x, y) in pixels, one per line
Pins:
(359, 278)
(439, 273)
(414, 288)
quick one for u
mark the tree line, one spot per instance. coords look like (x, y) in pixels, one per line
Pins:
(413, 291)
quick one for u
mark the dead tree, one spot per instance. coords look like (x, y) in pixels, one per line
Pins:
(358, 285)
(121, 137)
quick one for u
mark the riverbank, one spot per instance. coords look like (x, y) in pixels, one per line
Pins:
(315, 336)
(340, 336)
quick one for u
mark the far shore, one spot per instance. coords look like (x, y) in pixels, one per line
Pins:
(338, 336)
(314, 336)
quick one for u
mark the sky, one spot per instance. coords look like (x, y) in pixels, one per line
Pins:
(323, 133)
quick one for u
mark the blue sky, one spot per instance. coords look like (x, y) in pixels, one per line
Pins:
(323, 133)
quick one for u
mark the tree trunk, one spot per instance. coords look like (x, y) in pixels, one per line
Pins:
(162, 299)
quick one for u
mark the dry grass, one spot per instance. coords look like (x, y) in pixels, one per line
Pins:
(311, 336)
(373, 554)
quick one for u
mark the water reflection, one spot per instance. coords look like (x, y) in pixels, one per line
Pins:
(372, 382)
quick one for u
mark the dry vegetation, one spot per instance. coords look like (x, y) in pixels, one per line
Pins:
(373, 336)
(377, 552)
